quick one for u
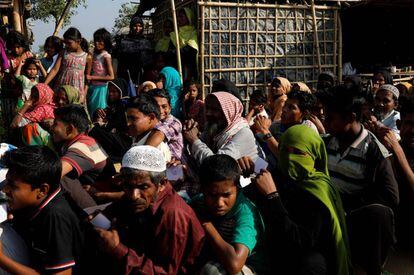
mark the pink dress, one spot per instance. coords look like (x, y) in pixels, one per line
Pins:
(98, 67)
(72, 71)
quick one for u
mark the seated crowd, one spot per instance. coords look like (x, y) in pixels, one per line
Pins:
(104, 181)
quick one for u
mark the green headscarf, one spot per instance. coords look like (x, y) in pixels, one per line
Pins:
(310, 172)
(72, 94)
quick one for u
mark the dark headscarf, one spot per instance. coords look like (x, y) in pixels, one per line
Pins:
(136, 20)
(326, 76)
(224, 85)
(121, 85)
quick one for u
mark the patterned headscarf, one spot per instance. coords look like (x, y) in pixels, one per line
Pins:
(72, 94)
(44, 107)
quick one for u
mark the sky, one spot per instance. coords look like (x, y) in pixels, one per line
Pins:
(98, 14)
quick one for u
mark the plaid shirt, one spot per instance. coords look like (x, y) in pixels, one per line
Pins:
(172, 129)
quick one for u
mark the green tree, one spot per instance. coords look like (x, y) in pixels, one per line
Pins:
(124, 16)
(51, 10)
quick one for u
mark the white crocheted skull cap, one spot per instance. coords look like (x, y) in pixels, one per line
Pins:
(144, 158)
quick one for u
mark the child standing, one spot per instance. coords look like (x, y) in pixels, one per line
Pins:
(53, 46)
(29, 78)
(100, 71)
(71, 63)
(193, 105)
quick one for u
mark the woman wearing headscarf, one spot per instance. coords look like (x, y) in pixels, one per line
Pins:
(65, 95)
(36, 116)
(225, 131)
(301, 87)
(303, 212)
(110, 124)
(171, 82)
(134, 52)
(279, 88)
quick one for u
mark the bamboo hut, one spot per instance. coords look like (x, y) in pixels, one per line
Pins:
(15, 13)
(250, 43)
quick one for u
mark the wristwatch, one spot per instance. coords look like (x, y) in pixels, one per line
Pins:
(267, 136)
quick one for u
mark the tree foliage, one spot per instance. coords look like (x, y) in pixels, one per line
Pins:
(124, 16)
(51, 10)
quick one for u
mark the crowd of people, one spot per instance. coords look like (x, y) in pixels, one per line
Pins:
(127, 170)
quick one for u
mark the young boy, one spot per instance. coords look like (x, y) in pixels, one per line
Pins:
(41, 214)
(143, 114)
(258, 101)
(169, 128)
(233, 226)
(361, 169)
(82, 158)
(386, 101)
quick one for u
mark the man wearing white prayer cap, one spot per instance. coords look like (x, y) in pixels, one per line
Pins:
(159, 232)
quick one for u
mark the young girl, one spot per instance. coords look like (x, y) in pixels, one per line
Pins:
(71, 63)
(100, 71)
(29, 78)
(53, 46)
(193, 105)
(18, 47)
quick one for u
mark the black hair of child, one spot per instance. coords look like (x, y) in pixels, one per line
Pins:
(217, 168)
(146, 104)
(103, 35)
(34, 165)
(75, 115)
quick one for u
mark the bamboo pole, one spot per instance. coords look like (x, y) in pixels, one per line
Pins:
(16, 16)
(202, 54)
(315, 31)
(177, 38)
(62, 17)
(336, 43)
(252, 5)
(264, 68)
(340, 48)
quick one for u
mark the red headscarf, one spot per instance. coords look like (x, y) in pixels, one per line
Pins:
(44, 107)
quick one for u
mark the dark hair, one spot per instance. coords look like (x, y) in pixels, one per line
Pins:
(306, 100)
(146, 104)
(56, 41)
(15, 38)
(259, 97)
(103, 35)
(385, 73)
(407, 105)
(74, 34)
(218, 168)
(190, 82)
(160, 93)
(344, 102)
(35, 165)
(224, 85)
(75, 115)
(29, 61)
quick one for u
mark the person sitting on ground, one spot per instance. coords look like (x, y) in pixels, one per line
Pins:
(296, 110)
(143, 114)
(83, 159)
(233, 225)
(193, 107)
(155, 232)
(226, 131)
(386, 102)
(66, 95)
(403, 157)
(42, 214)
(257, 104)
(361, 169)
(170, 80)
(39, 108)
(110, 124)
(169, 128)
(303, 212)
(279, 88)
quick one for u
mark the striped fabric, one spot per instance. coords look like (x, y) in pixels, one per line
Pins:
(84, 154)
(349, 170)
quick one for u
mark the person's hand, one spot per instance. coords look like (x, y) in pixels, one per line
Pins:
(89, 77)
(318, 123)
(388, 138)
(191, 131)
(258, 109)
(262, 124)
(108, 240)
(246, 165)
(28, 103)
(264, 183)
(38, 63)
(173, 162)
(101, 113)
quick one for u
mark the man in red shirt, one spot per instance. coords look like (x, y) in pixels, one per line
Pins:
(155, 231)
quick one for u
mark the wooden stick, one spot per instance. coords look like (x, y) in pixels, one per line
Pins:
(202, 53)
(315, 31)
(177, 39)
(340, 49)
(335, 60)
(253, 5)
(264, 68)
(65, 11)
